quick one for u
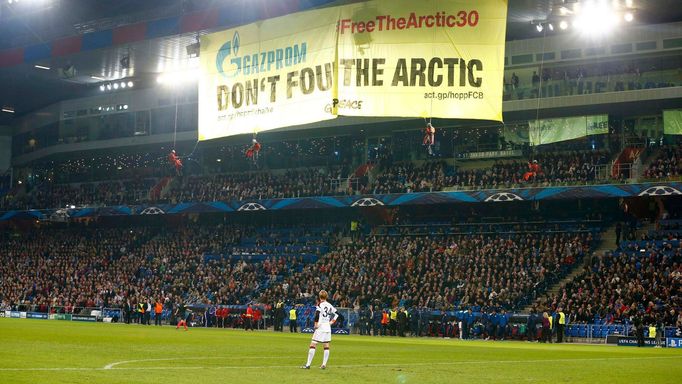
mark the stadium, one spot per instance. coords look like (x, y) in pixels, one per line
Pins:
(341, 191)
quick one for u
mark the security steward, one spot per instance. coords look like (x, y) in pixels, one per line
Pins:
(293, 327)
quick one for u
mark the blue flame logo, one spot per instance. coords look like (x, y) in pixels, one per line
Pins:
(225, 51)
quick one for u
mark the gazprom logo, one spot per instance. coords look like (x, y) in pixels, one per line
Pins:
(226, 51)
(256, 62)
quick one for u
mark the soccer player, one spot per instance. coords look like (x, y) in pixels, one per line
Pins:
(181, 313)
(325, 317)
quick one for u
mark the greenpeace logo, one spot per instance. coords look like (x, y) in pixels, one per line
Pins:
(343, 104)
(230, 64)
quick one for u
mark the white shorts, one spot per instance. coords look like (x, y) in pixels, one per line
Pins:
(321, 336)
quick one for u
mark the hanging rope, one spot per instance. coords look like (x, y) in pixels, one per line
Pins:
(539, 96)
(175, 128)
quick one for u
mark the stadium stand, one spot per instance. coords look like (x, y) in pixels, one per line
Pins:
(571, 168)
(640, 276)
(667, 165)
(274, 261)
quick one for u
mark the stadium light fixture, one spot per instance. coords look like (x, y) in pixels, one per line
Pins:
(596, 20)
(628, 16)
(539, 27)
(563, 25)
(43, 67)
(551, 26)
(116, 85)
(8, 109)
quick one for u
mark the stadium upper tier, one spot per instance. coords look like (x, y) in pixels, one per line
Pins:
(383, 177)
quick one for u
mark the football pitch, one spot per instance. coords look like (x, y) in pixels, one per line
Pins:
(37, 351)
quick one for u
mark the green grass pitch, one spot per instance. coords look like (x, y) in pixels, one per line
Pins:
(38, 351)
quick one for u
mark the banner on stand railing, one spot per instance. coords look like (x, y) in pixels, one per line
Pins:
(631, 341)
(673, 342)
(546, 131)
(36, 315)
(672, 122)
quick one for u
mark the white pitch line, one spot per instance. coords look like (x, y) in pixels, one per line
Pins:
(369, 365)
(112, 365)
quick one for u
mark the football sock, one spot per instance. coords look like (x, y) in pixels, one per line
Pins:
(325, 356)
(311, 354)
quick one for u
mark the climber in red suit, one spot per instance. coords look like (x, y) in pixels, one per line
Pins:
(175, 162)
(533, 170)
(429, 137)
(254, 149)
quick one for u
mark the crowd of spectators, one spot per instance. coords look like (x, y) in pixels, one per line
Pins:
(667, 165)
(66, 269)
(645, 278)
(72, 269)
(437, 271)
(260, 185)
(554, 169)
(402, 178)
(578, 167)
(85, 267)
(109, 193)
(222, 187)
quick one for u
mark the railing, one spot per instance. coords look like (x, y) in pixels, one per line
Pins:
(345, 184)
(594, 84)
(622, 171)
(597, 333)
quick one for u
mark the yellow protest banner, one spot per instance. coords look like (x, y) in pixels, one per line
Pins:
(399, 58)
(428, 58)
(269, 74)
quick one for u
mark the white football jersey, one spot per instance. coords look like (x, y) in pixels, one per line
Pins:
(327, 314)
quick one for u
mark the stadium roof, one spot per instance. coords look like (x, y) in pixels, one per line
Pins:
(28, 26)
